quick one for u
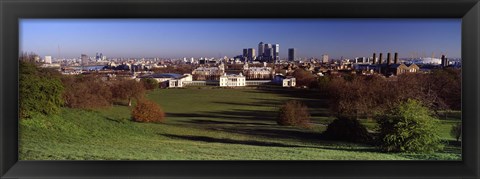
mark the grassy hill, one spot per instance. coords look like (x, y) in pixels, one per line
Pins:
(202, 124)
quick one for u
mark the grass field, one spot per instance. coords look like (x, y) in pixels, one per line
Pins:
(202, 124)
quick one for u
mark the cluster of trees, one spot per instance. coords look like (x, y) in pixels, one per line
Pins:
(44, 91)
(179, 69)
(89, 91)
(405, 108)
(367, 96)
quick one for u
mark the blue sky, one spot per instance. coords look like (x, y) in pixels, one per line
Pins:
(175, 38)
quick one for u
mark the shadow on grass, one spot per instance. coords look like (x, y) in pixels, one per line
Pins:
(229, 141)
(204, 121)
(260, 143)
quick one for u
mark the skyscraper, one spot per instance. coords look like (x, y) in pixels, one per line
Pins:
(245, 52)
(291, 54)
(251, 54)
(276, 52)
(261, 49)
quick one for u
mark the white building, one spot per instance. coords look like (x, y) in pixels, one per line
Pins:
(325, 58)
(258, 72)
(288, 82)
(179, 82)
(48, 59)
(232, 80)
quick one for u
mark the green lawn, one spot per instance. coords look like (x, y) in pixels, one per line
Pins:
(202, 124)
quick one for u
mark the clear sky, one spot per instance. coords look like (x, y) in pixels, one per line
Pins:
(175, 38)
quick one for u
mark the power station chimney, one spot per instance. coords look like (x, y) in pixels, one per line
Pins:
(380, 56)
(395, 58)
(374, 56)
(444, 61)
(389, 59)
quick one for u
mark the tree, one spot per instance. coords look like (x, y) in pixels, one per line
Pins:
(86, 92)
(147, 111)
(456, 131)
(293, 113)
(40, 90)
(128, 90)
(149, 83)
(409, 127)
(347, 129)
(304, 78)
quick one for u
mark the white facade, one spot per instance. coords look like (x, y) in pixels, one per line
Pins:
(288, 82)
(179, 82)
(232, 80)
(48, 59)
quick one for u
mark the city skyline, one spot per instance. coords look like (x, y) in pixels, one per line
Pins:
(177, 38)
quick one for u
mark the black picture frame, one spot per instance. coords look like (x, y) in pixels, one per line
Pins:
(12, 11)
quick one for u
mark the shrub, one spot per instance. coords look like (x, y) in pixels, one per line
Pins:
(40, 90)
(456, 131)
(409, 127)
(293, 113)
(149, 83)
(347, 129)
(147, 111)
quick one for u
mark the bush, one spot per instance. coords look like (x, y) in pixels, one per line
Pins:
(347, 129)
(409, 127)
(40, 91)
(148, 111)
(293, 113)
(456, 131)
(149, 83)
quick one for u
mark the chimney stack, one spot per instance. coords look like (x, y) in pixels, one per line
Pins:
(374, 56)
(444, 61)
(395, 58)
(389, 59)
(380, 58)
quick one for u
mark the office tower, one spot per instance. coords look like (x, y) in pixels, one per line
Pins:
(268, 51)
(261, 49)
(276, 52)
(245, 52)
(291, 54)
(251, 54)
(374, 58)
(325, 58)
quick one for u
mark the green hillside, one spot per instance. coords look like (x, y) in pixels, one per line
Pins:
(201, 124)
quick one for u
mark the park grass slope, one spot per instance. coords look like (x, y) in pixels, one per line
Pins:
(201, 124)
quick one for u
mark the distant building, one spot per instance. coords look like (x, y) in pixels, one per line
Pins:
(398, 69)
(258, 73)
(291, 54)
(324, 58)
(232, 80)
(251, 54)
(83, 60)
(276, 52)
(48, 59)
(261, 49)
